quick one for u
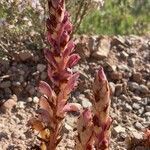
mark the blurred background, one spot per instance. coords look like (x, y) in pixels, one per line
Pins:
(24, 19)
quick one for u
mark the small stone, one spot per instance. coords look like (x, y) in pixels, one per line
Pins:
(144, 89)
(29, 99)
(118, 40)
(14, 97)
(43, 75)
(137, 77)
(8, 92)
(123, 97)
(124, 55)
(116, 76)
(112, 87)
(136, 98)
(127, 107)
(21, 79)
(3, 135)
(41, 67)
(25, 55)
(118, 129)
(16, 120)
(5, 62)
(138, 126)
(123, 135)
(35, 100)
(16, 83)
(92, 43)
(70, 121)
(110, 67)
(136, 106)
(134, 86)
(118, 89)
(148, 84)
(85, 103)
(147, 114)
(67, 128)
(14, 135)
(22, 137)
(5, 84)
(21, 72)
(70, 144)
(9, 105)
(137, 135)
(123, 67)
(147, 108)
(132, 62)
(141, 110)
(32, 90)
(21, 104)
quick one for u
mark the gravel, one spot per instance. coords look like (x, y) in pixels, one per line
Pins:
(127, 70)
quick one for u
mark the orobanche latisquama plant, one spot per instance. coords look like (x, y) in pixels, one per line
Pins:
(53, 104)
(94, 124)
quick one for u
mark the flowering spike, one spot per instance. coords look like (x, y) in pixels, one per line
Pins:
(53, 104)
(101, 121)
(101, 108)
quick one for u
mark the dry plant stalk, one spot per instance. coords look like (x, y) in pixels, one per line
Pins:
(94, 124)
(53, 104)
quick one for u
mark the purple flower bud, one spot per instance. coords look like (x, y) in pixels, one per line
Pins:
(87, 116)
(64, 39)
(71, 83)
(45, 89)
(69, 49)
(73, 60)
(101, 75)
(50, 58)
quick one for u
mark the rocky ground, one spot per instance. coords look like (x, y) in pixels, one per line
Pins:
(126, 61)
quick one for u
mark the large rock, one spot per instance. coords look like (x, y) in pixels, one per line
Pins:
(103, 48)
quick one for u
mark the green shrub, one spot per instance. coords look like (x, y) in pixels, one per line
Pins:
(118, 17)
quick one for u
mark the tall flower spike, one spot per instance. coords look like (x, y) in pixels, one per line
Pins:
(53, 104)
(97, 129)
